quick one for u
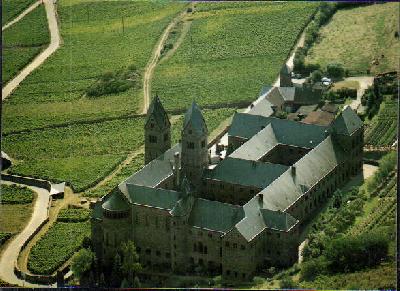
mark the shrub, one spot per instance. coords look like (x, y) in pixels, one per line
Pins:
(348, 254)
(113, 83)
(4, 236)
(386, 165)
(287, 283)
(74, 215)
(335, 70)
(82, 262)
(347, 93)
(313, 268)
(316, 76)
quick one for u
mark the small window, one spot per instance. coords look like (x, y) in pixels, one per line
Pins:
(228, 272)
(148, 252)
(152, 139)
(190, 145)
(167, 255)
(174, 246)
(190, 131)
(227, 244)
(203, 144)
(235, 245)
(158, 253)
(138, 250)
(242, 247)
(210, 235)
(152, 125)
(205, 250)
(166, 137)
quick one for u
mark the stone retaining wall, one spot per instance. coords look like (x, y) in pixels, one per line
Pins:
(27, 181)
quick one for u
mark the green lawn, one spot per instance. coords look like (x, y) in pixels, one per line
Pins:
(23, 41)
(357, 36)
(230, 52)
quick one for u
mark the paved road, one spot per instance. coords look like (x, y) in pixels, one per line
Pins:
(22, 15)
(10, 254)
(54, 44)
(153, 62)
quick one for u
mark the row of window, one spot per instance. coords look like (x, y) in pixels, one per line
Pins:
(153, 138)
(157, 252)
(234, 245)
(191, 145)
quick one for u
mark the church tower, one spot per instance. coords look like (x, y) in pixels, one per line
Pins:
(285, 78)
(157, 130)
(194, 145)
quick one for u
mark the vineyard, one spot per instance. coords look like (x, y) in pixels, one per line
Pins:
(57, 246)
(12, 8)
(383, 212)
(230, 52)
(13, 194)
(73, 215)
(105, 36)
(382, 130)
(23, 41)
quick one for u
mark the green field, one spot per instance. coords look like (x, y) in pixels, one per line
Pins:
(94, 42)
(355, 37)
(23, 41)
(230, 52)
(74, 215)
(382, 129)
(12, 8)
(57, 246)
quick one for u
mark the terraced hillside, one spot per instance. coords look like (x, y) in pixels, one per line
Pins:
(230, 51)
(382, 130)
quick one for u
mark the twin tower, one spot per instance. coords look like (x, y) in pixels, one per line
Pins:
(194, 151)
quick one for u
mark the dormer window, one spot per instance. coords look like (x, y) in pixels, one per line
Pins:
(190, 145)
(151, 125)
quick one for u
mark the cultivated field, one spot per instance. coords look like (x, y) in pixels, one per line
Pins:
(12, 8)
(356, 37)
(230, 52)
(382, 130)
(23, 41)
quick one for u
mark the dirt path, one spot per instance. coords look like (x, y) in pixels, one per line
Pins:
(54, 44)
(22, 15)
(364, 82)
(148, 74)
(10, 254)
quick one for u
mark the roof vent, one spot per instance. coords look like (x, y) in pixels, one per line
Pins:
(293, 170)
(260, 197)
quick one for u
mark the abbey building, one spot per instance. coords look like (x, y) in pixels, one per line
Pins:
(238, 215)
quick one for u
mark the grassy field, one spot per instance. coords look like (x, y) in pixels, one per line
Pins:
(356, 37)
(230, 51)
(98, 36)
(382, 129)
(12, 8)
(23, 41)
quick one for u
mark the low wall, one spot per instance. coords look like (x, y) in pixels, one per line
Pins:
(27, 181)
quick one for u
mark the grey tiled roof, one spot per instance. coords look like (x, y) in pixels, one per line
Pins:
(194, 117)
(157, 111)
(155, 197)
(116, 202)
(215, 215)
(245, 172)
(347, 122)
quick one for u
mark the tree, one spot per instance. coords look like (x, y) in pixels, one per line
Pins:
(316, 76)
(335, 70)
(312, 268)
(287, 283)
(82, 262)
(116, 272)
(130, 261)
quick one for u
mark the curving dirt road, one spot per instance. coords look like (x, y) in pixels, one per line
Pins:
(54, 44)
(148, 74)
(10, 254)
(22, 15)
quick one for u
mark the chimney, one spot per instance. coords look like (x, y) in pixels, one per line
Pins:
(293, 170)
(177, 163)
(260, 198)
